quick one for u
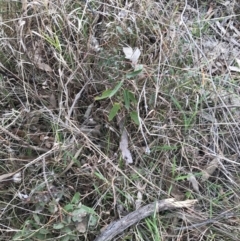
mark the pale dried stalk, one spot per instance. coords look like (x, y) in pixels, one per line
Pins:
(119, 226)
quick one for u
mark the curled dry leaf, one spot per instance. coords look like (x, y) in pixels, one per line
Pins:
(48, 144)
(35, 53)
(209, 169)
(132, 54)
(24, 5)
(46, 2)
(81, 227)
(234, 68)
(127, 156)
(194, 182)
(22, 196)
(7, 176)
(122, 14)
(88, 111)
(238, 62)
(140, 192)
(42, 137)
(17, 178)
(43, 66)
(53, 101)
(94, 44)
(138, 202)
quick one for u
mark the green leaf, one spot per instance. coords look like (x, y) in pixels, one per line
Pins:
(119, 29)
(132, 97)
(78, 214)
(18, 235)
(76, 198)
(36, 218)
(93, 220)
(134, 117)
(44, 231)
(88, 210)
(77, 219)
(134, 73)
(79, 211)
(65, 238)
(53, 207)
(101, 177)
(68, 219)
(113, 112)
(69, 207)
(104, 95)
(138, 67)
(126, 99)
(66, 230)
(165, 148)
(58, 225)
(117, 87)
(109, 93)
(180, 178)
(39, 236)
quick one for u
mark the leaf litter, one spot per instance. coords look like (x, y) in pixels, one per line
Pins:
(126, 154)
(209, 169)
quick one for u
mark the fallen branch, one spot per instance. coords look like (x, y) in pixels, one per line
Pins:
(117, 227)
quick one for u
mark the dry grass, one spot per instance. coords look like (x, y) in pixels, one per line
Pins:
(62, 176)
